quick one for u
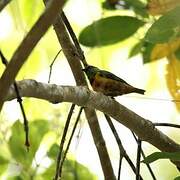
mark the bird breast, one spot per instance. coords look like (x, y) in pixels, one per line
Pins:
(109, 86)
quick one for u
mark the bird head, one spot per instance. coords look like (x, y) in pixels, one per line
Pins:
(90, 72)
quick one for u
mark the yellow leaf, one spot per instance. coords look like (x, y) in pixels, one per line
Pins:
(158, 7)
(162, 50)
(173, 79)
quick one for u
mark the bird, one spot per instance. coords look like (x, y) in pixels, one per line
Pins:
(109, 84)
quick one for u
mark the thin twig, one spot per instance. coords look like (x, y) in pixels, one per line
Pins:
(75, 40)
(144, 156)
(69, 142)
(19, 99)
(138, 161)
(167, 125)
(121, 148)
(51, 65)
(120, 165)
(63, 141)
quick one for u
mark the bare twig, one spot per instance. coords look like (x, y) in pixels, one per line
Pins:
(27, 45)
(121, 148)
(19, 99)
(73, 36)
(143, 155)
(69, 142)
(138, 161)
(51, 65)
(167, 125)
(120, 165)
(62, 141)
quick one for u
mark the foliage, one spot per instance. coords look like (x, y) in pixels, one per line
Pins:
(99, 33)
(158, 37)
(23, 162)
(162, 155)
(166, 28)
(160, 40)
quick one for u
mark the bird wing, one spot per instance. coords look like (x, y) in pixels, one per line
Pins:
(109, 75)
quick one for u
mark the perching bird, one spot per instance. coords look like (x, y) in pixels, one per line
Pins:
(108, 83)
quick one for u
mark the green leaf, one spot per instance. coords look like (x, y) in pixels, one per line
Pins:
(3, 164)
(177, 54)
(109, 30)
(52, 153)
(3, 160)
(138, 7)
(146, 51)
(15, 178)
(37, 130)
(166, 28)
(108, 6)
(31, 10)
(162, 155)
(49, 172)
(177, 178)
(136, 49)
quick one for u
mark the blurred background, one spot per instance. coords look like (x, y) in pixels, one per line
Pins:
(121, 48)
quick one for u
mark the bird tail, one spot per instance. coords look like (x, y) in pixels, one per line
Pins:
(140, 91)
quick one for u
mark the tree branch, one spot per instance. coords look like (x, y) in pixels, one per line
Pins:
(27, 45)
(73, 58)
(82, 96)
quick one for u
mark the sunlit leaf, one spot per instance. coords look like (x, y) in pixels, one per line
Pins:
(3, 164)
(16, 144)
(37, 130)
(71, 170)
(31, 10)
(153, 52)
(162, 155)
(177, 178)
(177, 54)
(52, 153)
(173, 79)
(166, 28)
(156, 7)
(49, 172)
(3, 160)
(15, 178)
(109, 30)
(165, 49)
(136, 49)
(146, 51)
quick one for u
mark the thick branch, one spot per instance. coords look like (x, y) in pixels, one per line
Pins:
(27, 45)
(82, 96)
